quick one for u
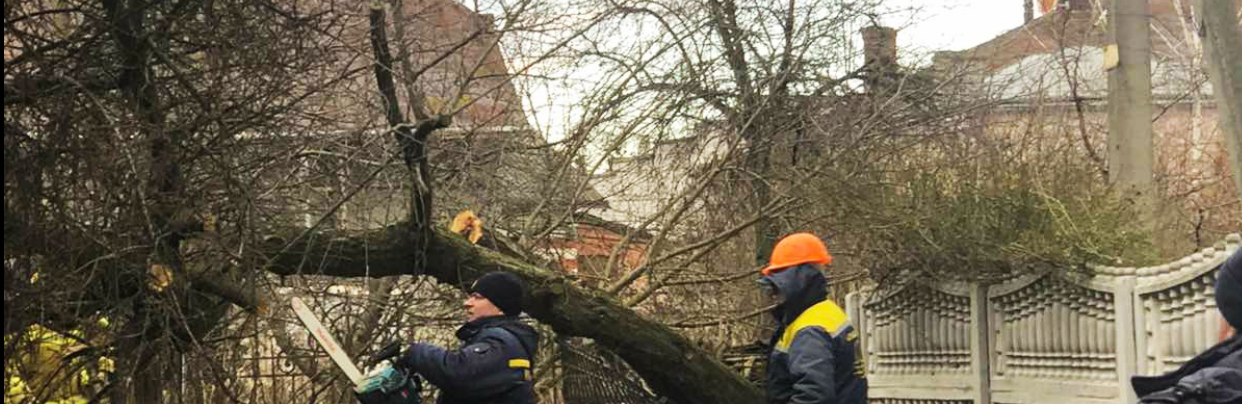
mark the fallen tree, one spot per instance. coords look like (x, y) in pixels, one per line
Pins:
(671, 364)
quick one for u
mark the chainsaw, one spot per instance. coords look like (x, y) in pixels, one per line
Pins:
(386, 383)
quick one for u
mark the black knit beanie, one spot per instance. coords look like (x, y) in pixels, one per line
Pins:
(1229, 290)
(503, 289)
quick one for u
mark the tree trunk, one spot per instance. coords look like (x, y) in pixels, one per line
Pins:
(136, 379)
(142, 345)
(766, 231)
(10, 281)
(1222, 43)
(1130, 150)
(672, 365)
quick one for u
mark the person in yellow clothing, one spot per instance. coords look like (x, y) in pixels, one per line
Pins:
(814, 358)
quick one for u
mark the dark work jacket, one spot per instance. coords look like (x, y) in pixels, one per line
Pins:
(1213, 377)
(814, 358)
(1229, 289)
(493, 366)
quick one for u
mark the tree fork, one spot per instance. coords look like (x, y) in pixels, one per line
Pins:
(412, 139)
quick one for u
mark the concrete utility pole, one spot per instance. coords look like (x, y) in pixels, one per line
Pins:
(1222, 46)
(1130, 148)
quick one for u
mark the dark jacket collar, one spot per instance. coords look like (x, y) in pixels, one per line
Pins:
(525, 334)
(470, 329)
(803, 286)
(1144, 385)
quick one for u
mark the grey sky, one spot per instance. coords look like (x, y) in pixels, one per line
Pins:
(924, 27)
(951, 24)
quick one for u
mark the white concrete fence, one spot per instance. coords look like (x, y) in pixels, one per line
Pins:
(1047, 339)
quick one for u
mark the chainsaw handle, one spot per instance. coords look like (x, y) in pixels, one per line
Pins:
(392, 350)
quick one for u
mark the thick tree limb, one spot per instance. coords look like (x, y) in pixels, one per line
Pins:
(673, 366)
(218, 284)
(376, 254)
(27, 89)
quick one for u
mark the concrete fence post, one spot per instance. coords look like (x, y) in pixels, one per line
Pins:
(980, 344)
(854, 308)
(1127, 349)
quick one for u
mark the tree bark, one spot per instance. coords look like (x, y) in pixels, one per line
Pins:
(1131, 156)
(766, 231)
(1222, 43)
(672, 365)
(9, 281)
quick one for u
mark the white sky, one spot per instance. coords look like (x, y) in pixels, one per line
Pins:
(952, 24)
(923, 27)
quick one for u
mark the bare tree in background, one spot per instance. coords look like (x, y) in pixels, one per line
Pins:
(723, 125)
(166, 188)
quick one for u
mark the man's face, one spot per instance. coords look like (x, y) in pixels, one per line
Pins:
(478, 307)
(771, 294)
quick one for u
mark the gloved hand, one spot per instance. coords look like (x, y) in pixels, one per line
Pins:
(383, 379)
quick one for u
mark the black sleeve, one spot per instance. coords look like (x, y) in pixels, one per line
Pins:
(471, 368)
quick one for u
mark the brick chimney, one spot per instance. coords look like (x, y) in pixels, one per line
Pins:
(880, 53)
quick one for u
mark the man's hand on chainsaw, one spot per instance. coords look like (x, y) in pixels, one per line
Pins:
(392, 350)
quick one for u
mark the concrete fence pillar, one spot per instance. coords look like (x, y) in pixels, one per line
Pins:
(854, 308)
(1127, 349)
(980, 344)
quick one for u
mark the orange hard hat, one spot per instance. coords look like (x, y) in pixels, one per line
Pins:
(797, 249)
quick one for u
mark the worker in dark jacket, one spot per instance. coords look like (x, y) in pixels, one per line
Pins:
(494, 364)
(1215, 376)
(814, 358)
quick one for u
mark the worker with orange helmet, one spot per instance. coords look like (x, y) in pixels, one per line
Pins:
(814, 357)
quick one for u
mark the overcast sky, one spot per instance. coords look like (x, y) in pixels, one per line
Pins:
(923, 27)
(952, 24)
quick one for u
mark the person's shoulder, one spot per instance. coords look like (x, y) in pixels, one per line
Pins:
(1233, 264)
(513, 328)
(824, 315)
(520, 327)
